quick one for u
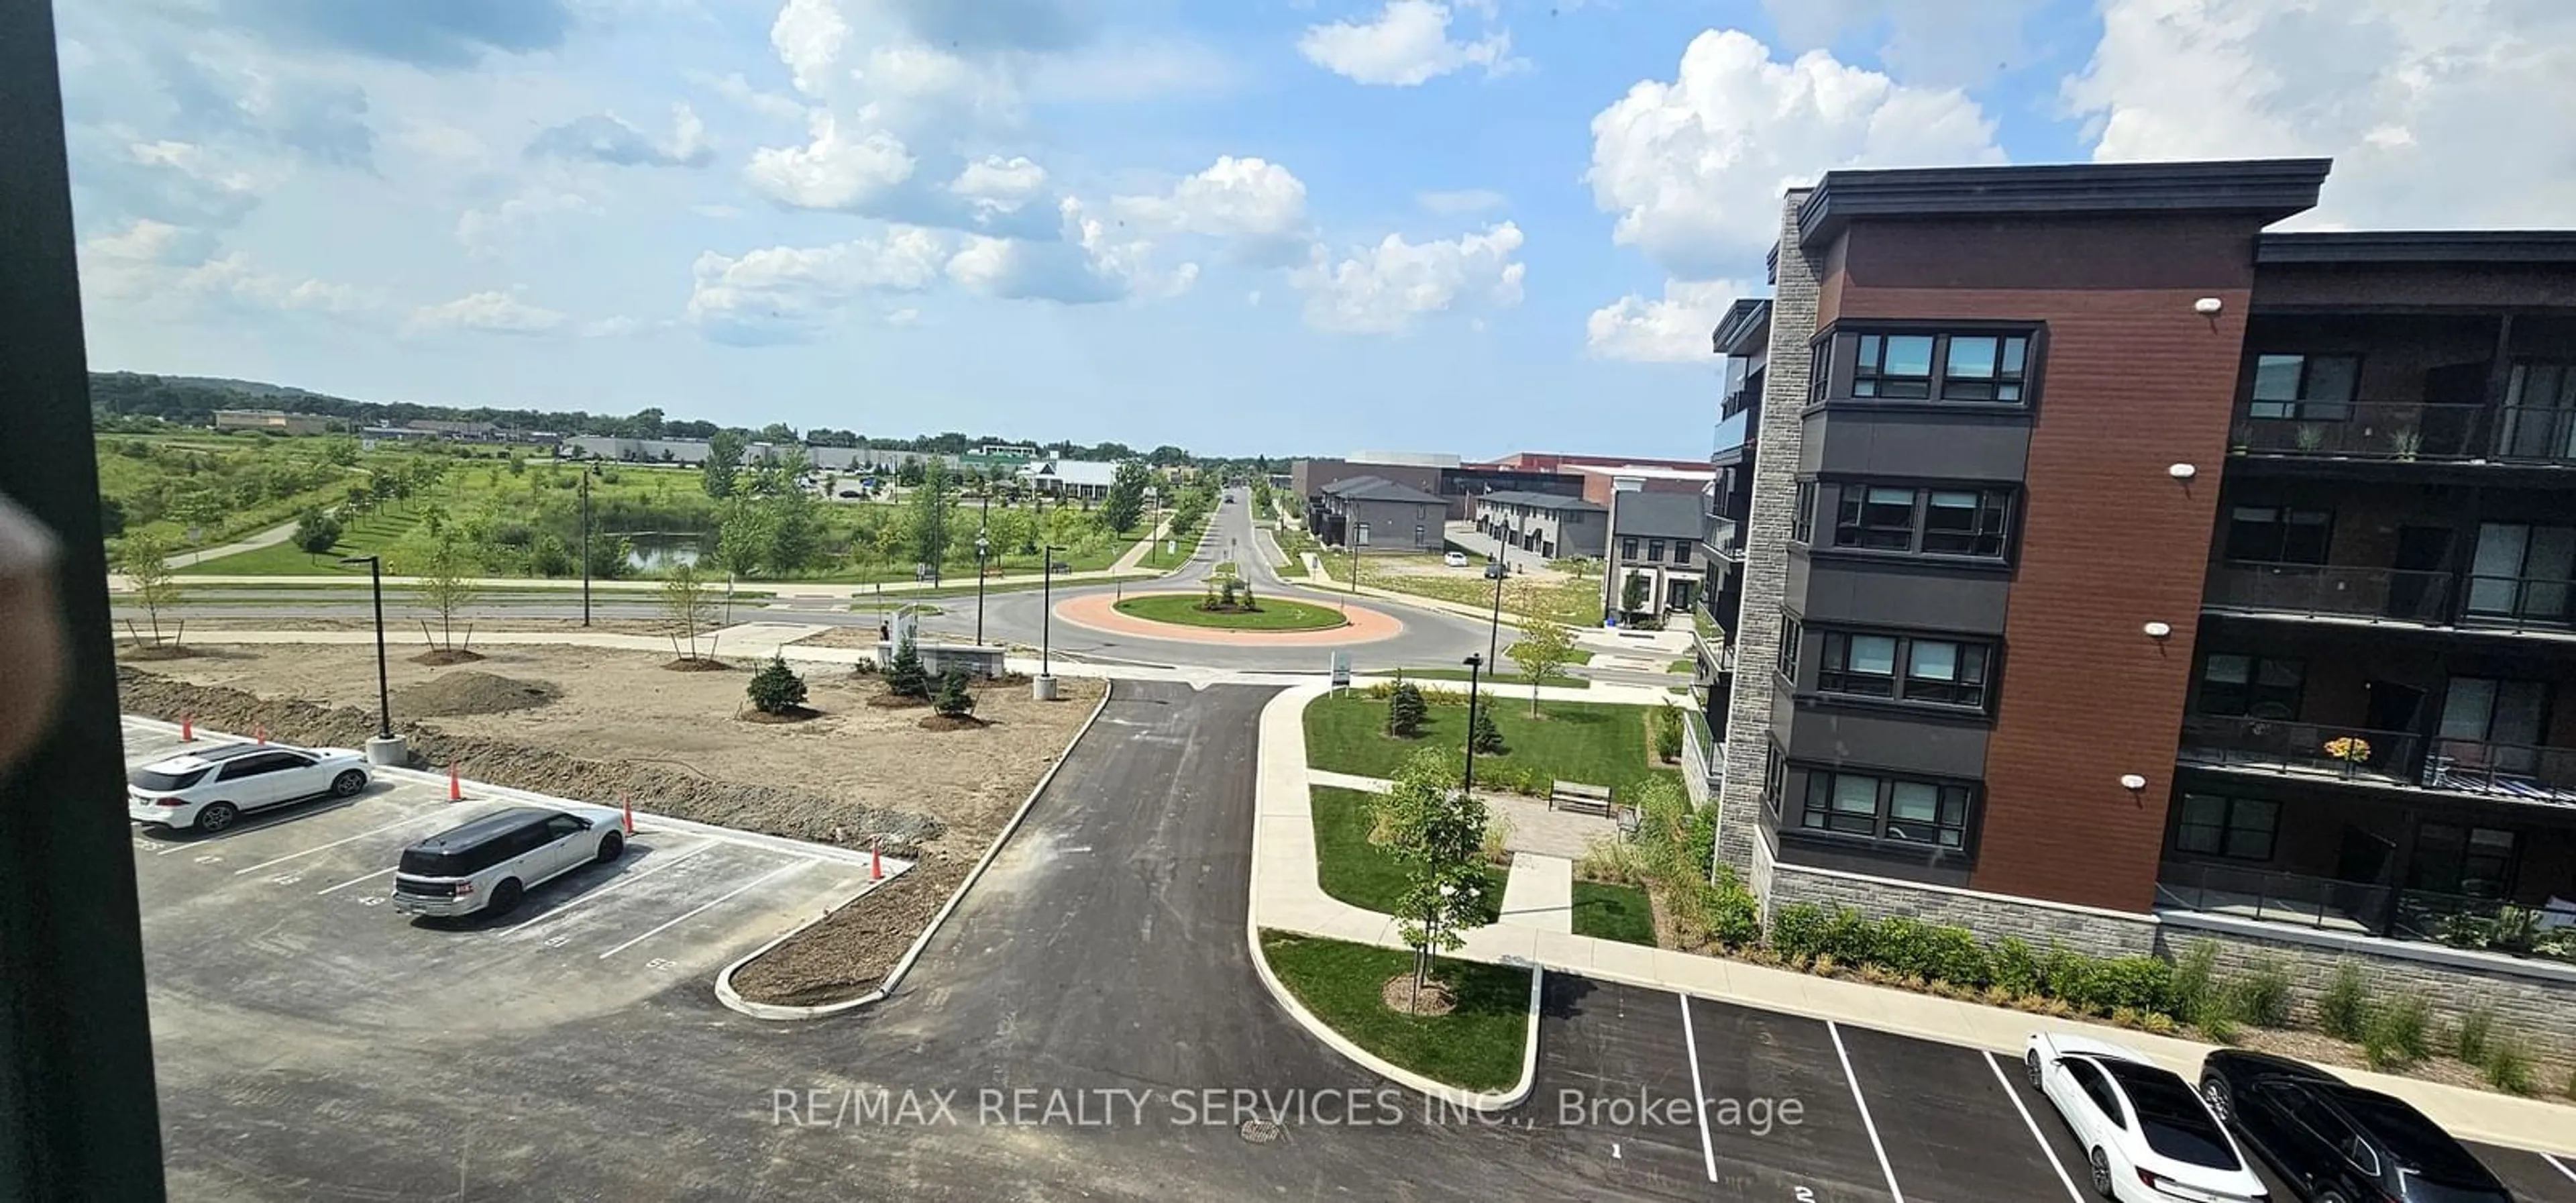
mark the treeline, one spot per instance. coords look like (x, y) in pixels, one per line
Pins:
(193, 402)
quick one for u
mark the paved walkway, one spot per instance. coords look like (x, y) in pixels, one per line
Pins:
(271, 537)
(1540, 892)
(1287, 895)
(1534, 827)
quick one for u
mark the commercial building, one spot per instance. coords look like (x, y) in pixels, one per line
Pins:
(1380, 515)
(276, 420)
(2093, 564)
(1598, 483)
(1070, 478)
(1553, 525)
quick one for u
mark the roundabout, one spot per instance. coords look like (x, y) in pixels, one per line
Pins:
(1279, 622)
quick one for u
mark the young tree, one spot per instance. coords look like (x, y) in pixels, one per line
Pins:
(686, 606)
(724, 462)
(904, 675)
(744, 535)
(316, 532)
(1405, 710)
(1546, 646)
(1126, 501)
(1482, 735)
(446, 568)
(930, 517)
(144, 558)
(776, 689)
(1436, 831)
(1632, 593)
(795, 532)
(954, 700)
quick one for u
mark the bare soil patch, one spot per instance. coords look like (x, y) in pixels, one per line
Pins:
(621, 726)
(952, 722)
(1399, 996)
(155, 651)
(793, 714)
(886, 699)
(470, 692)
(697, 664)
(439, 657)
(841, 637)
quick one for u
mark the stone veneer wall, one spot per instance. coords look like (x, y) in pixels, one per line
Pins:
(1756, 636)
(2089, 931)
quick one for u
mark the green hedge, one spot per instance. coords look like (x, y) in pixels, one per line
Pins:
(1807, 935)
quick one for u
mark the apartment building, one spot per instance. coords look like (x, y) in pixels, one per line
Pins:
(2085, 560)
(1551, 525)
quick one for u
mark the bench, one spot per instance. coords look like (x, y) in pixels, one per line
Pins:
(1579, 798)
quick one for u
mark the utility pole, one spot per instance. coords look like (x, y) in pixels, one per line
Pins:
(585, 543)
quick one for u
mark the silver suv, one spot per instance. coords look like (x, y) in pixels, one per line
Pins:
(490, 862)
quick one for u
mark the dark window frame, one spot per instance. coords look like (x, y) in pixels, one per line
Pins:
(1627, 547)
(2302, 407)
(2009, 380)
(1954, 809)
(1775, 779)
(1785, 662)
(1871, 378)
(1862, 523)
(2234, 819)
(2279, 538)
(2252, 692)
(1971, 657)
(1802, 520)
(2508, 868)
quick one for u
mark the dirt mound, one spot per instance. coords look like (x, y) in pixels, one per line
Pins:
(793, 714)
(952, 722)
(698, 664)
(155, 651)
(473, 693)
(846, 955)
(793, 813)
(442, 657)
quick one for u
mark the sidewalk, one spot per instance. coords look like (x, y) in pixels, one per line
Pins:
(1287, 895)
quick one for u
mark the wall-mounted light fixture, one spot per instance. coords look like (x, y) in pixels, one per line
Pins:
(2207, 306)
(2182, 471)
(2133, 782)
(2159, 630)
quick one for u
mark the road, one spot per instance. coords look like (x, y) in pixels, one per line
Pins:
(1431, 637)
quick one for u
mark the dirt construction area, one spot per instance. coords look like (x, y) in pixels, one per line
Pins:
(605, 726)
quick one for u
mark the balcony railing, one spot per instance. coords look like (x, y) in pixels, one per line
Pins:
(2302, 749)
(2313, 590)
(2407, 431)
(2525, 772)
(2361, 908)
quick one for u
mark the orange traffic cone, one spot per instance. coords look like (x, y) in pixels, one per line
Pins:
(455, 788)
(629, 801)
(876, 863)
(187, 728)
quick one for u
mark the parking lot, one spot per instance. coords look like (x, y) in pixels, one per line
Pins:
(1877, 1118)
(289, 913)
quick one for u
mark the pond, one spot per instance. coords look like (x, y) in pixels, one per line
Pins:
(649, 551)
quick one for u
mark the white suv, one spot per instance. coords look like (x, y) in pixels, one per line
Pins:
(490, 861)
(207, 790)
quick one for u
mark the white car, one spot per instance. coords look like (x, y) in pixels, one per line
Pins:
(2145, 1131)
(1455, 559)
(209, 789)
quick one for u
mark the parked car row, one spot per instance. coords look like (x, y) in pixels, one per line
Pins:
(485, 864)
(2150, 1137)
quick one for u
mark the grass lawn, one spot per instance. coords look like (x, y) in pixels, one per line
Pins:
(369, 535)
(1275, 614)
(1593, 742)
(1460, 674)
(1613, 913)
(1478, 1046)
(1582, 655)
(1359, 872)
(1570, 600)
(1682, 666)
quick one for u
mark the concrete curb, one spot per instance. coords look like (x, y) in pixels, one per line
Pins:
(733, 999)
(1481, 1101)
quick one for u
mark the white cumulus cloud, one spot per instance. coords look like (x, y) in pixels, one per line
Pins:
(837, 169)
(1407, 44)
(1388, 288)
(1257, 205)
(488, 312)
(1673, 328)
(1694, 166)
(783, 293)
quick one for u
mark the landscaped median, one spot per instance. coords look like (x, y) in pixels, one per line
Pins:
(1480, 1046)
(1269, 614)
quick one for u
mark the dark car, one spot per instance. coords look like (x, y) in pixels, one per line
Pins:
(2335, 1142)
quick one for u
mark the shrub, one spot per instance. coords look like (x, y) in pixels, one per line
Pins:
(1850, 939)
(2138, 983)
(2262, 998)
(1610, 859)
(1668, 733)
(2508, 1067)
(1483, 736)
(2397, 1034)
(2158, 1023)
(2195, 986)
(2068, 975)
(2343, 1011)
(1498, 837)
(1735, 917)
(776, 689)
(316, 532)
(2015, 967)
(904, 676)
(1404, 710)
(2475, 1033)
(1798, 932)
(1952, 954)
(954, 699)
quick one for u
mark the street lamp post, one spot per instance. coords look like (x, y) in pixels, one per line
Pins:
(585, 543)
(1043, 689)
(983, 548)
(1494, 634)
(1474, 663)
(384, 748)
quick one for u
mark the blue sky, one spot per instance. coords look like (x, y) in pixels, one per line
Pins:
(1280, 226)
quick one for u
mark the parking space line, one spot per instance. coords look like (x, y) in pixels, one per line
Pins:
(1835, 1030)
(2033, 1125)
(651, 866)
(789, 867)
(2552, 1158)
(336, 843)
(1699, 1093)
(355, 880)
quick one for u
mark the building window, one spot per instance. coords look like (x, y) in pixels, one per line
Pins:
(2265, 687)
(1941, 672)
(1896, 810)
(1654, 550)
(2272, 534)
(1983, 367)
(2235, 828)
(1820, 363)
(1802, 522)
(1789, 634)
(1627, 549)
(2315, 388)
(1973, 523)
(1894, 367)
(1681, 552)
(1775, 780)
(2452, 859)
